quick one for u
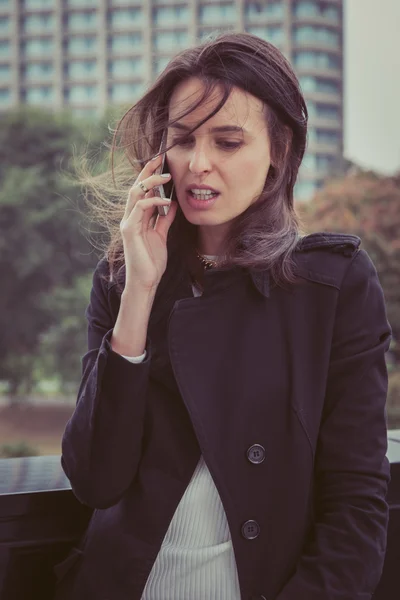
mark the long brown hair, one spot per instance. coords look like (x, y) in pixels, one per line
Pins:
(266, 233)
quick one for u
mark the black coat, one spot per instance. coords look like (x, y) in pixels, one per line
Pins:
(299, 370)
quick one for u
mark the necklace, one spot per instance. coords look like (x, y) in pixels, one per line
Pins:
(206, 262)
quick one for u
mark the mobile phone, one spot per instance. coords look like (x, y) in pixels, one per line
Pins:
(163, 191)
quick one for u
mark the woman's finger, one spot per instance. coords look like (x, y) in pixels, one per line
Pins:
(136, 192)
(144, 210)
(149, 170)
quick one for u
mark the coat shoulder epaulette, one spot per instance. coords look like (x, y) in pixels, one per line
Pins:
(343, 243)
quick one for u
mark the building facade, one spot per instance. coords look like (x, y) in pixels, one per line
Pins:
(88, 54)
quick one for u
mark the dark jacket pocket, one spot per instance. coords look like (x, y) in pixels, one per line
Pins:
(62, 568)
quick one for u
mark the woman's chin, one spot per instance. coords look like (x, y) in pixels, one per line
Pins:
(199, 218)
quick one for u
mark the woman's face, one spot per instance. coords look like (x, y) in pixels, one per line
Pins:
(220, 169)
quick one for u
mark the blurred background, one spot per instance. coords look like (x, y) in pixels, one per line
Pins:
(69, 68)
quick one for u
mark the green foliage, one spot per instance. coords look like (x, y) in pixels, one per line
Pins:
(62, 344)
(43, 243)
(17, 450)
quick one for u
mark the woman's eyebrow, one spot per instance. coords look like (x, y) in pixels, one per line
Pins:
(221, 129)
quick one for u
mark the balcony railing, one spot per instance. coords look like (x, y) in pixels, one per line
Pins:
(41, 520)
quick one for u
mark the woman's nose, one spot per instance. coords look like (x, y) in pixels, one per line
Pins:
(199, 162)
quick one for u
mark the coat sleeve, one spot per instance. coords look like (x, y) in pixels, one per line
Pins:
(343, 557)
(101, 445)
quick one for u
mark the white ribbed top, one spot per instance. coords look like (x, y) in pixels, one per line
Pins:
(196, 559)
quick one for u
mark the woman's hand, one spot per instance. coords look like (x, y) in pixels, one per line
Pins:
(144, 232)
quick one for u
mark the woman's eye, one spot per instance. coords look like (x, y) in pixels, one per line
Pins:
(226, 145)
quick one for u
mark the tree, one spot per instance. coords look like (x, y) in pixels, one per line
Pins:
(62, 344)
(43, 246)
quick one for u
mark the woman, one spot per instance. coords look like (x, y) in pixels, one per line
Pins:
(230, 425)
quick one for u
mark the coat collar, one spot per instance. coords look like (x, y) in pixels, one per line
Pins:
(221, 277)
(261, 280)
(343, 243)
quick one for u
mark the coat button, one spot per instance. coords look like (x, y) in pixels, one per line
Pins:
(250, 530)
(256, 454)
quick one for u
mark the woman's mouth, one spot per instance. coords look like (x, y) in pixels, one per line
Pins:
(201, 194)
(201, 199)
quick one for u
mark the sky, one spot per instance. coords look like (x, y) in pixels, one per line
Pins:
(372, 84)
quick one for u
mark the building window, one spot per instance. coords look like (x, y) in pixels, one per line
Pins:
(325, 163)
(126, 67)
(80, 45)
(160, 64)
(81, 20)
(306, 8)
(320, 163)
(316, 60)
(37, 23)
(319, 85)
(309, 162)
(4, 48)
(167, 15)
(311, 108)
(325, 136)
(126, 18)
(326, 111)
(126, 42)
(305, 190)
(38, 70)
(127, 2)
(323, 111)
(37, 47)
(5, 71)
(5, 96)
(82, 3)
(126, 92)
(331, 12)
(271, 33)
(170, 40)
(311, 8)
(37, 95)
(305, 34)
(255, 10)
(4, 24)
(214, 13)
(159, 1)
(81, 69)
(81, 93)
(38, 3)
